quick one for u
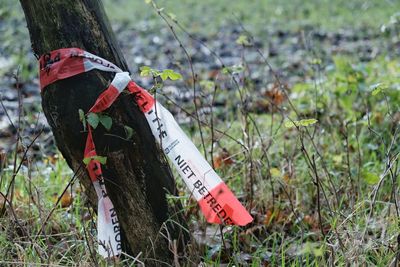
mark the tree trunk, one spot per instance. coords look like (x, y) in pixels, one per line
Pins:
(139, 176)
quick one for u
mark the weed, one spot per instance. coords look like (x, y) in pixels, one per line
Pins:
(314, 157)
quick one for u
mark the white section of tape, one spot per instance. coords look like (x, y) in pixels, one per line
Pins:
(121, 80)
(94, 62)
(181, 151)
(108, 229)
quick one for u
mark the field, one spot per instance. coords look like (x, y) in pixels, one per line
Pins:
(297, 108)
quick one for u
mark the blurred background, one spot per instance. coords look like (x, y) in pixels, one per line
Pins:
(301, 102)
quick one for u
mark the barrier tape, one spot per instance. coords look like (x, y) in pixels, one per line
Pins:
(216, 201)
(108, 229)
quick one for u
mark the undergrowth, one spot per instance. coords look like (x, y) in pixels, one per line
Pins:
(315, 161)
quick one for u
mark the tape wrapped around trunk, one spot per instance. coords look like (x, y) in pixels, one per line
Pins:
(216, 201)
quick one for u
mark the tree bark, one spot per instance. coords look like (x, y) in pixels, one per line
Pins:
(139, 176)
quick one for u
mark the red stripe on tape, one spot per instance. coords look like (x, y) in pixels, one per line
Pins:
(221, 206)
(60, 64)
(142, 97)
(94, 166)
(105, 99)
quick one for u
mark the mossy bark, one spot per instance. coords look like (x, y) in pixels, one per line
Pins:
(137, 175)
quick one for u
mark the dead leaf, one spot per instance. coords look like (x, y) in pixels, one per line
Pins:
(311, 221)
(276, 94)
(223, 159)
(286, 178)
(2, 201)
(66, 199)
(268, 217)
(52, 159)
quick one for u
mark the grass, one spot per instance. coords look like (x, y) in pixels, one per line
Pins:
(322, 194)
(351, 215)
(260, 15)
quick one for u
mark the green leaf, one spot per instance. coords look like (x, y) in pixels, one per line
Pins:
(93, 120)
(172, 16)
(82, 118)
(82, 115)
(235, 69)
(87, 160)
(316, 61)
(291, 124)
(377, 88)
(304, 122)
(207, 85)
(376, 91)
(128, 131)
(370, 178)
(101, 159)
(175, 76)
(275, 172)
(164, 75)
(106, 121)
(243, 40)
(226, 70)
(319, 252)
(172, 75)
(147, 1)
(352, 78)
(145, 71)
(342, 64)
(307, 122)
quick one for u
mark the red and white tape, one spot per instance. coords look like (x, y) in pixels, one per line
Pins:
(216, 201)
(108, 230)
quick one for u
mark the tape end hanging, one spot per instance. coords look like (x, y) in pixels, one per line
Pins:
(220, 206)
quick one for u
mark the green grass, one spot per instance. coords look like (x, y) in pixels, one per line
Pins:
(356, 103)
(261, 15)
(351, 145)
